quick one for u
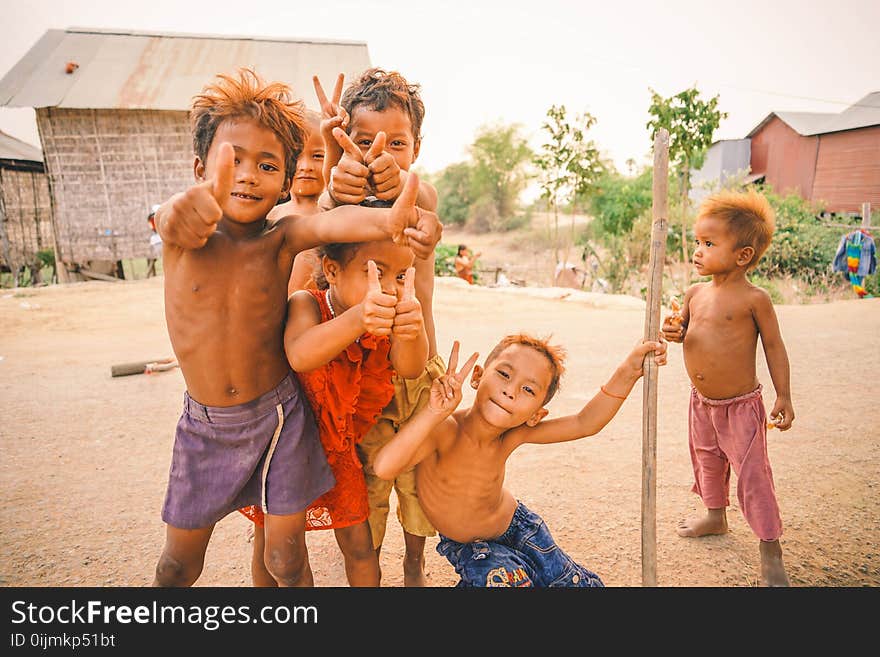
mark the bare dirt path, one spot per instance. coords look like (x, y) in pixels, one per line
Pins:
(84, 457)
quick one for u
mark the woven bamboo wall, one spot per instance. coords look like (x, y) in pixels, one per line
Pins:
(26, 213)
(106, 168)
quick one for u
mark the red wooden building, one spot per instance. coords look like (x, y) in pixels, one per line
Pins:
(831, 159)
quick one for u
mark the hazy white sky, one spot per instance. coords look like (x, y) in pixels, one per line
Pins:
(482, 61)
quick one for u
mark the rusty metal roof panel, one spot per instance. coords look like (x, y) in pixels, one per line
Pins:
(125, 70)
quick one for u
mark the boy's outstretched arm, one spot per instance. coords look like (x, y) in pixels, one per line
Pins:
(599, 411)
(417, 437)
(777, 359)
(189, 218)
(405, 223)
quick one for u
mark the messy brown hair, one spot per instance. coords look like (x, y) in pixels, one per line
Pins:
(341, 252)
(248, 96)
(376, 89)
(554, 354)
(748, 216)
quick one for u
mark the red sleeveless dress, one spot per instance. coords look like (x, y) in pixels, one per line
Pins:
(346, 395)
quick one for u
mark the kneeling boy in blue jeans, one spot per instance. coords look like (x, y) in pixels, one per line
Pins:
(490, 537)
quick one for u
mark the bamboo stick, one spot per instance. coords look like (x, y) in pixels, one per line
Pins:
(649, 386)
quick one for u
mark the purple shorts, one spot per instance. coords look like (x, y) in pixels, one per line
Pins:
(265, 452)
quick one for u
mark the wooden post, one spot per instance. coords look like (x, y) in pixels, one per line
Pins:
(649, 385)
(866, 215)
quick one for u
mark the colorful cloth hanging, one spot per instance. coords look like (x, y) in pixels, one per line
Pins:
(856, 257)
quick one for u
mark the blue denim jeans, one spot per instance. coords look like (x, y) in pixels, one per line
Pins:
(524, 555)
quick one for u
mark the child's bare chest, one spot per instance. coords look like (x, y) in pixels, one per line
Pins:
(719, 318)
(470, 469)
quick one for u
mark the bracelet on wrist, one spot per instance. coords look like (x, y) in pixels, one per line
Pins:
(611, 394)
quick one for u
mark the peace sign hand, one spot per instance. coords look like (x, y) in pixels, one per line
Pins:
(333, 115)
(446, 388)
(408, 320)
(348, 179)
(329, 108)
(378, 307)
(189, 218)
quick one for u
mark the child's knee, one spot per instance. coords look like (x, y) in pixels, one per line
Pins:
(287, 565)
(175, 572)
(359, 551)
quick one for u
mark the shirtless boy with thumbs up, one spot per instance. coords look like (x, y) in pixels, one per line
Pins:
(246, 435)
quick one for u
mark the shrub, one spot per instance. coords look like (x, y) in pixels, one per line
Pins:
(801, 246)
(444, 259)
(618, 201)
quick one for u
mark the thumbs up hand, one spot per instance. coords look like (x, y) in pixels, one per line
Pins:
(378, 307)
(410, 225)
(189, 218)
(408, 319)
(385, 173)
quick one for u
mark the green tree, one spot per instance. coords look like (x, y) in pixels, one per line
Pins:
(569, 163)
(455, 192)
(619, 200)
(691, 123)
(500, 154)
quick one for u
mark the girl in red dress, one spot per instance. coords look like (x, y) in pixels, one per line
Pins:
(345, 341)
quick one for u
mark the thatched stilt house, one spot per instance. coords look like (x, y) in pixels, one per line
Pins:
(111, 110)
(25, 208)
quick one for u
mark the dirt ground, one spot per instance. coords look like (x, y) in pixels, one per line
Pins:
(84, 457)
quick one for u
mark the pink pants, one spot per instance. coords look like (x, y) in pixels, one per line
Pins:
(733, 432)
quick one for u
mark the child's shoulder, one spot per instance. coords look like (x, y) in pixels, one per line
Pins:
(756, 294)
(696, 288)
(301, 300)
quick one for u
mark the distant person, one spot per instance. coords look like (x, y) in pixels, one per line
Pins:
(155, 242)
(305, 190)
(719, 323)
(460, 457)
(568, 274)
(227, 269)
(376, 137)
(464, 263)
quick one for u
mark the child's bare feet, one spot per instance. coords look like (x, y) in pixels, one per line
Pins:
(714, 522)
(772, 569)
(414, 571)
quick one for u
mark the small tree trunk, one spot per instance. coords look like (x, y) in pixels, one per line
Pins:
(555, 230)
(685, 258)
(685, 182)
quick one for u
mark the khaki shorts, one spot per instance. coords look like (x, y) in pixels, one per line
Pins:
(410, 396)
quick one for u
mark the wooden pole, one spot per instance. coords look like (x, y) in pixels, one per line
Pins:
(649, 386)
(866, 215)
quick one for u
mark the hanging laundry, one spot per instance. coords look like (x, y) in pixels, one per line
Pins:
(857, 257)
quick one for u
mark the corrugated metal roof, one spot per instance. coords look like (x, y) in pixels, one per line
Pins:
(861, 114)
(124, 69)
(16, 149)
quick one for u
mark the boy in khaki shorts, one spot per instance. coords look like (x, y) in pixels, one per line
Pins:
(368, 163)
(410, 396)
